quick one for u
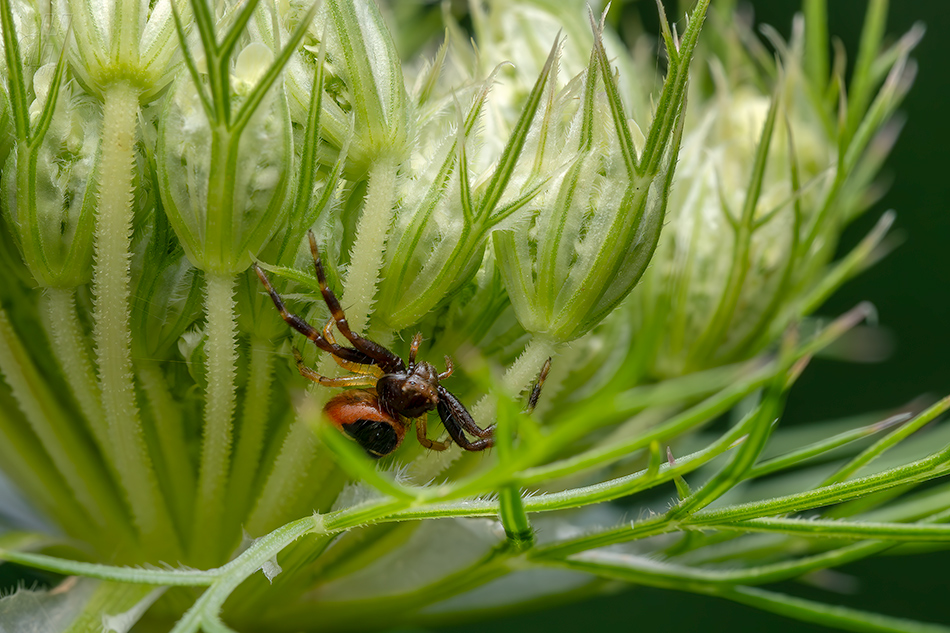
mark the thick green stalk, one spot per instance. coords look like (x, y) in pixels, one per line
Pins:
(284, 491)
(47, 450)
(221, 355)
(517, 377)
(111, 279)
(366, 257)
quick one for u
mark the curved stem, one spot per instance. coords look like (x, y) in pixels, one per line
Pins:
(111, 281)
(221, 356)
(234, 573)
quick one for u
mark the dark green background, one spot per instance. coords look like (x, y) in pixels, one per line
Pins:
(911, 289)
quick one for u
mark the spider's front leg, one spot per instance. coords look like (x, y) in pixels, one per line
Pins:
(457, 421)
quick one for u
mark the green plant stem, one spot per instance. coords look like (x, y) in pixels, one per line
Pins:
(111, 282)
(69, 346)
(856, 530)
(517, 377)
(827, 615)
(654, 574)
(892, 439)
(366, 258)
(221, 355)
(207, 607)
(250, 444)
(169, 427)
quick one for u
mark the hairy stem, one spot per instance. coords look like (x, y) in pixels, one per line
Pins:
(221, 355)
(69, 451)
(110, 280)
(367, 256)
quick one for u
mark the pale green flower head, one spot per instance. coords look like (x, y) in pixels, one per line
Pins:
(49, 187)
(116, 41)
(766, 182)
(49, 177)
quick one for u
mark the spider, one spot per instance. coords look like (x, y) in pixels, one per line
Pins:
(391, 392)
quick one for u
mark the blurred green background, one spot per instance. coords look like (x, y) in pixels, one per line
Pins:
(911, 290)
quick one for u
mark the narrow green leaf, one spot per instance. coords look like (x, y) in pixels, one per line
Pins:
(509, 157)
(802, 455)
(816, 44)
(46, 117)
(16, 82)
(235, 31)
(892, 439)
(256, 97)
(359, 466)
(855, 530)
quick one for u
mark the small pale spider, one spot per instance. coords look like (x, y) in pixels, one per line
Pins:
(391, 392)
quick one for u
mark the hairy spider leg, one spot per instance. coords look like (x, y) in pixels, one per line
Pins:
(356, 368)
(359, 380)
(421, 431)
(449, 368)
(381, 356)
(458, 421)
(299, 324)
(536, 391)
(414, 348)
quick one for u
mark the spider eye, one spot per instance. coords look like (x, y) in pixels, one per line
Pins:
(377, 438)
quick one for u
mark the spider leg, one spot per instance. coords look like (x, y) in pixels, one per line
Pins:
(299, 324)
(343, 381)
(356, 368)
(449, 368)
(425, 441)
(379, 354)
(536, 390)
(414, 348)
(458, 421)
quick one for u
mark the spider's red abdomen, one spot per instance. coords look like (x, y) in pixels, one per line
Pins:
(358, 415)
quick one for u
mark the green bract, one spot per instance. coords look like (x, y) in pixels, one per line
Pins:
(528, 189)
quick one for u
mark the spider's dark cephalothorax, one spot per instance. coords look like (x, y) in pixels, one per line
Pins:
(391, 392)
